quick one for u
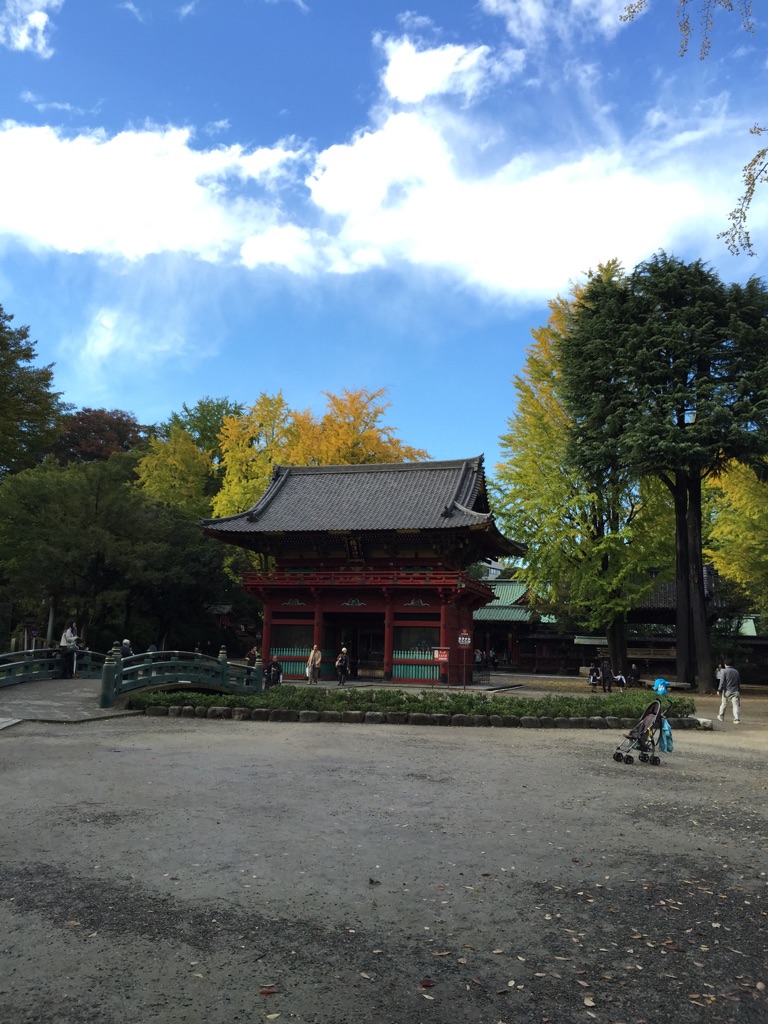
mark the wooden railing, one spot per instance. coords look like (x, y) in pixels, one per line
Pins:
(45, 663)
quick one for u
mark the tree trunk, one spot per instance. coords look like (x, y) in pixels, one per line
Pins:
(705, 672)
(682, 582)
(617, 644)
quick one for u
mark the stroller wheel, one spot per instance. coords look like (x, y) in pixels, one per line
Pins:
(655, 759)
(644, 757)
(618, 756)
(628, 759)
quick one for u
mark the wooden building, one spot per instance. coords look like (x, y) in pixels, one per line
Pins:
(373, 558)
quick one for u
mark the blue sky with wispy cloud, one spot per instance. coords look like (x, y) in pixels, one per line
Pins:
(225, 197)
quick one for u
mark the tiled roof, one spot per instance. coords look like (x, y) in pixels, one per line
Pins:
(502, 613)
(504, 607)
(392, 496)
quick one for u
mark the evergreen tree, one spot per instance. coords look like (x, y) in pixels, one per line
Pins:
(29, 409)
(665, 373)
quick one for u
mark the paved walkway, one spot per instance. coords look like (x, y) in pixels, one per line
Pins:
(54, 700)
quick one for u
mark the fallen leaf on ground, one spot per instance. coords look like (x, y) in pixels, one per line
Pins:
(267, 991)
(443, 952)
(589, 1002)
(427, 983)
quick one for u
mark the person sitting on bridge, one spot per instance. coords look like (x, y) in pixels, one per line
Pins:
(274, 674)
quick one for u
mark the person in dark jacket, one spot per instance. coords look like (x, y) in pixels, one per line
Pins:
(274, 673)
(342, 666)
(250, 661)
(606, 675)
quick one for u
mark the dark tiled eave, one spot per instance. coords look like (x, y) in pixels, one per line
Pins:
(437, 498)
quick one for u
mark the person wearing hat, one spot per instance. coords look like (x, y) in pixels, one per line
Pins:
(342, 666)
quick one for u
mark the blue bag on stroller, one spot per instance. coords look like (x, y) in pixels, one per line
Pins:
(666, 743)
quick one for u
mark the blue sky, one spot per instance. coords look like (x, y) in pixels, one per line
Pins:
(223, 197)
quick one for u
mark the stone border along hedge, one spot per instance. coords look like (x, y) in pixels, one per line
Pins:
(406, 718)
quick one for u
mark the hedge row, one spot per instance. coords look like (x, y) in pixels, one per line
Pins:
(628, 705)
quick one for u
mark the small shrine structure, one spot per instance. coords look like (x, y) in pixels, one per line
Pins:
(373, 558)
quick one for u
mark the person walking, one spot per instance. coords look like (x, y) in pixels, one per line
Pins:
(342, 666)
(68, 649)
(729, 688)
(313, 665)
(606, 675)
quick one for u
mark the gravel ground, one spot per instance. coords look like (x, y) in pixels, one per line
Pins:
(188, 871)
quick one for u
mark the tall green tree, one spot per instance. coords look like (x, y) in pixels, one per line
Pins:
(203, 422)
(590, 540)
(665, 372)
(29, 407)
(124, 564)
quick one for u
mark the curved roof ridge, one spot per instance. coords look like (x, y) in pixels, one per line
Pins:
(482, 516)
(279, 475)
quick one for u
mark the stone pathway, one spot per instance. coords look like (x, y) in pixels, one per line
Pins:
(54, 700)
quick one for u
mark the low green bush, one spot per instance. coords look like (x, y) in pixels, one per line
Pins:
(620, 705)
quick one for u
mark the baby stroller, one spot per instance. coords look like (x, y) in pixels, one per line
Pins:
(643, 737)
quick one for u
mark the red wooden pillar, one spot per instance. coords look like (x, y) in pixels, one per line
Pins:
(389, 636)
(449, 668)
(266, 633)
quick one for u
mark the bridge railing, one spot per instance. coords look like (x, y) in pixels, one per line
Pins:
(45, 663)
(170, 669)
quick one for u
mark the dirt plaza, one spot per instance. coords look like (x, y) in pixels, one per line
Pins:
(158, 870)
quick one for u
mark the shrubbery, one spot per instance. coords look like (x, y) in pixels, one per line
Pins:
(620, 705)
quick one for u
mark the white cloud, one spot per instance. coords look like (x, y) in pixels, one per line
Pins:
(526, 228)
(298, 3)
(532, 21)
(134, 194)
(119, 338)
(217, 127)
(25, 25)
(132, 9)
(186, 9)
(413, 22)
(412, 74)
(285, 246)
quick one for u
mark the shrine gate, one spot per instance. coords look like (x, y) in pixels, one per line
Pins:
(372, 558)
